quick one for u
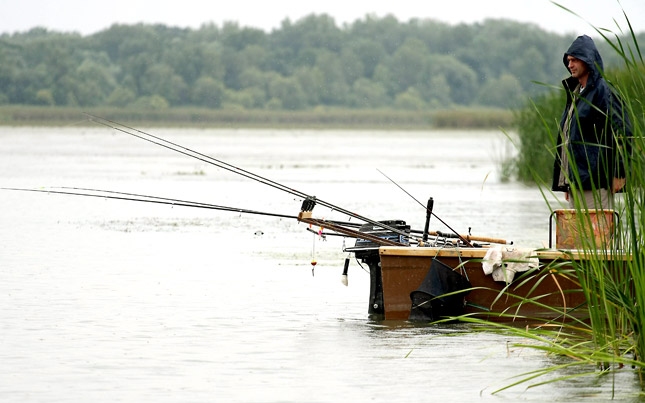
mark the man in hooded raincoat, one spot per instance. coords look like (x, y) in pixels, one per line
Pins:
(594, 132)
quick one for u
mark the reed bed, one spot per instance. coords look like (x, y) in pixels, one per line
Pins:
(320, 118)
(612, 276)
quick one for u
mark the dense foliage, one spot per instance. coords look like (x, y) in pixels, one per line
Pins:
(371, 63)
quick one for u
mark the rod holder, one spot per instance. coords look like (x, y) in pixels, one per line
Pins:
(428, 215)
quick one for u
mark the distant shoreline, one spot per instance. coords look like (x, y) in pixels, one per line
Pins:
(383, 119)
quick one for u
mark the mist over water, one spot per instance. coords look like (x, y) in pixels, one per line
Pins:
(108, 300)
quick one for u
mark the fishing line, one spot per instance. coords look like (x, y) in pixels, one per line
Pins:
(231, 168)
(425, 208)
(313, 255)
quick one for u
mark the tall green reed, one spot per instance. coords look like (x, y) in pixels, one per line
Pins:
(611, 274)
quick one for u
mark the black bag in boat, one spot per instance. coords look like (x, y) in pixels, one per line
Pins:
(427, 301)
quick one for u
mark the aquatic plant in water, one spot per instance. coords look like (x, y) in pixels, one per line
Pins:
(612, 275)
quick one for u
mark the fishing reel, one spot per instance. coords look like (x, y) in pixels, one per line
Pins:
(308, 204)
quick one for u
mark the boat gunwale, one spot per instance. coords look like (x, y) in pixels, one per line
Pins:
(480, 253)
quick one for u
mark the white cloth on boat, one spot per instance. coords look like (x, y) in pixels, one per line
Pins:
(502, 262)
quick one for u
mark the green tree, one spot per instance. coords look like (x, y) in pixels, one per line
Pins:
(208, 92)
(461, 78)
(438, 92)
(406, 66)
(248, 98)
(288, 91)
(160, 79)
(45, 97)
(348, 65)
(386, 31)
(212, 62)
(351, 65)
(138, 51)
(121, 97)
(334, 88)
(186, 59)
(368, 94)
(254, 56)
(369, 52)
(311, 80)
(253, 77)
(504, 92)
(93, 74)
(409, 100)
(152, 102)
(234, 65)
(236, 38)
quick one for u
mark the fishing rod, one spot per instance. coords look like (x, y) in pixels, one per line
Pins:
(438, 236)
(78, 191)
(429, 210)
(207, 205)
(347, 229)
(105, 194)
(308, 203)
(115, 195)
(191, 153)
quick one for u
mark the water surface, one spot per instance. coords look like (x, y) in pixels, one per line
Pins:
(110, 301)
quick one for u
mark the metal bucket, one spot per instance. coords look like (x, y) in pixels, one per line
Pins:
(570, 235)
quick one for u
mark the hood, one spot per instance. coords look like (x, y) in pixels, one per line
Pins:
(584, 48)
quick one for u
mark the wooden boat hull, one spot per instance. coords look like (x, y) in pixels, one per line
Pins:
(554, 286)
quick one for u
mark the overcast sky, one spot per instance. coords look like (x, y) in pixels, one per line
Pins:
(87, 17)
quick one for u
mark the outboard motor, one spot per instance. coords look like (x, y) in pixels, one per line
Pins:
(367, 252)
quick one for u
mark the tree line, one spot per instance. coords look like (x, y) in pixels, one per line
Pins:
(310, 63)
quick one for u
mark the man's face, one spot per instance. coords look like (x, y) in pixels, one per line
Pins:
(577, 67)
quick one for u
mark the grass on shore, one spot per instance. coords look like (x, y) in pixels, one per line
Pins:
(321, 118)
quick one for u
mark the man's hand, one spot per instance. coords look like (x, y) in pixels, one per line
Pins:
(617, 184)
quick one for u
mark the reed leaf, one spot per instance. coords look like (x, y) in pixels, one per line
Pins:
(611, 275)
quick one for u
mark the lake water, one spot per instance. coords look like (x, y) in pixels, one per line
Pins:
(118, 301)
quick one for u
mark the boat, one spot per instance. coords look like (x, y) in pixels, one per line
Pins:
(545, 292)
(451, 275)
